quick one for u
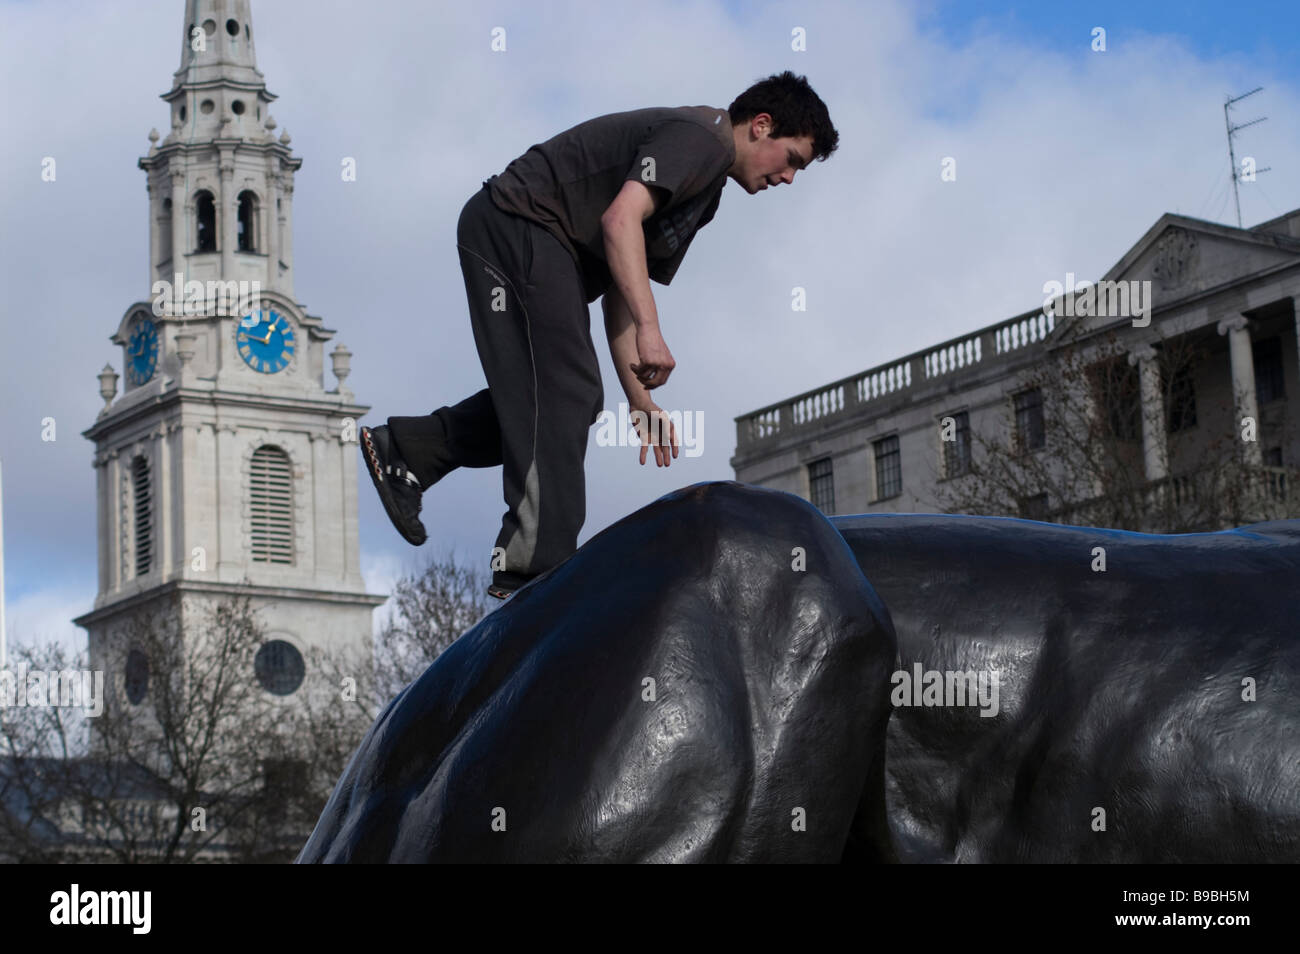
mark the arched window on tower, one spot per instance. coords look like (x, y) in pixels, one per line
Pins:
(207, 222)
(142, 514)
(247, 222)
(270, 495)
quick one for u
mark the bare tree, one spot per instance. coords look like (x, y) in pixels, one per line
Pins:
(431, 609)
(1089, 466)
(191, 758)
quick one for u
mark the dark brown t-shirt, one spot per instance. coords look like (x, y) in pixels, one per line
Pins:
(566, 183)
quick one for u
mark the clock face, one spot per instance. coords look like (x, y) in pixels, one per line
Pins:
(142, 351)
(265, 340)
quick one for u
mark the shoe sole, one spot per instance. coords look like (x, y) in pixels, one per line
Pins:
(502, 592)
(376, 471)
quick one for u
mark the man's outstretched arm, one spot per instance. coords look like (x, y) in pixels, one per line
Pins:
(621, 331)
(641, 357)
(625, 255)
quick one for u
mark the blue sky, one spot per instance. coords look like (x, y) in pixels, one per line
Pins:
(1267, 32)
(1066, 158)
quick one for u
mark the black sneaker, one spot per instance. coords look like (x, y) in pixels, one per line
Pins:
(504, 583)
(398, 488)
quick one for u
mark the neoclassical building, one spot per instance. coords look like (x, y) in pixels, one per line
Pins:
(226, 464)
(918, 433)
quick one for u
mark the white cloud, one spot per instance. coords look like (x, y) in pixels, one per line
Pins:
(45, 616)
(1065, 158)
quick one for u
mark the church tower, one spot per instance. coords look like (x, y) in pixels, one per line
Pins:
(226, 467)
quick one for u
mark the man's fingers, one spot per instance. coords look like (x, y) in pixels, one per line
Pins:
(653, 433)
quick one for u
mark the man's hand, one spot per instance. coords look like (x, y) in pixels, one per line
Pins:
(656, 361)
(657, 430)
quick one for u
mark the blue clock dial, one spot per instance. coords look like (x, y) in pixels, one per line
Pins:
(142, 351)
(265, 340)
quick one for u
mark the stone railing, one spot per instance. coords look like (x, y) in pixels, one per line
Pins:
(1196, 498)
(807, 411)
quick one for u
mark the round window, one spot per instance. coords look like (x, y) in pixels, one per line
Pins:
(137, 676)
(279, 667)
(237, 107)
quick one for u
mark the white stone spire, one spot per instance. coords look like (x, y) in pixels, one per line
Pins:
(217, 43)
(221, 182)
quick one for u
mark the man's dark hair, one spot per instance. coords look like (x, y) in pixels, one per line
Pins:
(795, 110)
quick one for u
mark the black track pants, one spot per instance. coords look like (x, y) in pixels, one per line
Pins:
(533, 334)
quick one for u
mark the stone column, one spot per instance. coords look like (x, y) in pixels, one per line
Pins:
(116, 501)
(155, 231)
(1295, 306)
(325, 522)
(227, 475)
(227, 211)
(271, 216)
(164, 520)
(1237, 328)
(181, 213)
(346, 454)
(1155, 447)
(286, 242)
(104, 506)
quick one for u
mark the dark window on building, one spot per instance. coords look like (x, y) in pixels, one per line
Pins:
(207, 222)
(247, 222)
(143, 513)
(1273, 457)
(821, 485)
(1034, 507)
(1182, 400)
(284, 781)
(136, 676)
(956, 444)
(1268, 370)
(1030, 431)
(279, 667)
(889, 468)
(1119, 395)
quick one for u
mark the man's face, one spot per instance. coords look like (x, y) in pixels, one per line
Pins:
(767, 162)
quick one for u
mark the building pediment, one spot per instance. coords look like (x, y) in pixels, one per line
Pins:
(1182, 256)
(1178, 258)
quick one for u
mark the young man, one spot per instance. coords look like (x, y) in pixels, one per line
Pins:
(597, 210)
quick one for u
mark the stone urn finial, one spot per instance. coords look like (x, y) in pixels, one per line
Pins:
(185, 346)
(107, 386)
(342, 358)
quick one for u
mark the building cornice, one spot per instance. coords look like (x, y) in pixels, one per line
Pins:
(220, 400)
(216, 588)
